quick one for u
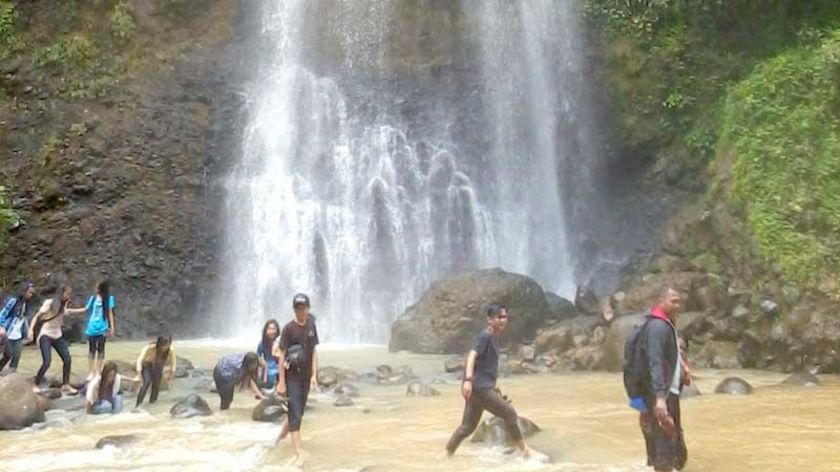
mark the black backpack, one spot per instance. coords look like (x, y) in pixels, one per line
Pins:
(635, 362)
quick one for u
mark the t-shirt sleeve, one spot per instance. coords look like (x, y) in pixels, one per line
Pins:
(111, 304)
(284, 339)
(481, 343)
(315, 340)
(92, 390)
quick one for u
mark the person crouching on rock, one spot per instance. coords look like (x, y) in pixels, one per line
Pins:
(153, 358)
(270, 334)
(236, 369)
(479, 386)
(296, 353)
(14, 326)
(103, 392)
(51, 336)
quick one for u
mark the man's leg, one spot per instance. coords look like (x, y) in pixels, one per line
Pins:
(472, 415)
(681, 452)
(496, 404)
(664, 451)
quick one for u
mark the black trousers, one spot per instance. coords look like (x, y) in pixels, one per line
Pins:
(11, 352)
(480, 400)
(297, 391)
(224, 387)
(664, 452)
(46, 344)
(152, 375)
(96, 345)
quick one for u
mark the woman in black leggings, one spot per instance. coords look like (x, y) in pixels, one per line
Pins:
(51, 315)
(150, 365)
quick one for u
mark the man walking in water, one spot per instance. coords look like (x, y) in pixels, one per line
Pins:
(479, 387)
(298, 370)
(660, 422)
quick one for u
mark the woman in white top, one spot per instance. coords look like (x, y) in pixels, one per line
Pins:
(103, 392)
(51, 315)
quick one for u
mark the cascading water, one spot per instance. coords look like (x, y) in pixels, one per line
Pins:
(390, 142)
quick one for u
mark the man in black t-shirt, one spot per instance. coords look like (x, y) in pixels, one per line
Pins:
(479, 387)
(298, 363)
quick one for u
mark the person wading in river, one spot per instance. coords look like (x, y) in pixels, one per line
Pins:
(479, 387)
(150, 364)
(299, 367)
(51, 336)
(666, 374)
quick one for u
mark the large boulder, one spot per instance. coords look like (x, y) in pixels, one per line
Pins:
(270, 410)
(564, 335)
(451, 311)
(492, 431)
(559, 308)
(586, 301)
(183, 367)
(191, 406)
(612, 358)
(19, 406)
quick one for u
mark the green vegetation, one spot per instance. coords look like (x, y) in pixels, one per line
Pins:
(783, 124)
(7, 216)
(8, 25)
(754, 85)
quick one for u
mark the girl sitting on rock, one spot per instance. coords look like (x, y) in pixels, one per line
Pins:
(103, 392)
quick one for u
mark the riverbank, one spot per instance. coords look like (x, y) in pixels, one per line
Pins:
(586, 425)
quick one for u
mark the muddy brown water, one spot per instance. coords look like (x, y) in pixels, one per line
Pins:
(586, 425)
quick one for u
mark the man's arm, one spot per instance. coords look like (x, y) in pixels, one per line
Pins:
(314, 380)
(469, 371)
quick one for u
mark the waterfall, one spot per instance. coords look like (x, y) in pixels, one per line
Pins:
(391, 142)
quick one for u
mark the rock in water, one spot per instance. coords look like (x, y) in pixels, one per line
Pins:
(492, 431)
(453, 366)
(270, 410)
(342, 401)
(734, 386)
(690, 391)
(19, 406)
(116, 441)
(183, 367)
(419, 389)
(586, 301)
(802, 379)
(613, 350)
(191, 406)
(451, 311)
(347, 389)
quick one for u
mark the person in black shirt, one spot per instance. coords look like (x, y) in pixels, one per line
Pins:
(479, 387)
(298, 370)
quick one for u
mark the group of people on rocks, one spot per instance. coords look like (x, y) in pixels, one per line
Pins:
(286, 363)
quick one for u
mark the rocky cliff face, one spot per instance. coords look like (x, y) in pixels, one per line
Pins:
(120, 181)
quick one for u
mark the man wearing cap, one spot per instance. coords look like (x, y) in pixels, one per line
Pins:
(295, 351)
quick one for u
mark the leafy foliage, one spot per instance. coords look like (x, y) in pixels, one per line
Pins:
(7, 216)
(8, 20)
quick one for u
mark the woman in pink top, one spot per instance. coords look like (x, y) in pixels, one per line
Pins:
(51, 315)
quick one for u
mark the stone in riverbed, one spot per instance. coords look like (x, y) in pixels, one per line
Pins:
(343, 401)
(452, 366)
(191, 406)
(802, 379)
(270, 410)
(419, 389)
(734, 386)
(347, 389)
(586, 301)
(19, 406)
(116, 441)
(492, 431)
(690, 391)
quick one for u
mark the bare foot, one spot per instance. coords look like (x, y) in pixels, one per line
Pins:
(69, 390)
(527, 453)
(36, 390)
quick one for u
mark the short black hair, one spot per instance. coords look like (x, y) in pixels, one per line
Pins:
(493, 309)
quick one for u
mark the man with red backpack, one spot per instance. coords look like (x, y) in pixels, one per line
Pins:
(654, 374)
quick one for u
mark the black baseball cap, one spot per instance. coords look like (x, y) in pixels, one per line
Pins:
(300, 299)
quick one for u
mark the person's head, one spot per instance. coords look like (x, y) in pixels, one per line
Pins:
(300, 303)
(270, 331)
(496, 317)
(162, 345)
(63, 293)
(26, 291)
(669, 300)
(109, 376)
(103, 288)
(250, 368)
